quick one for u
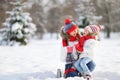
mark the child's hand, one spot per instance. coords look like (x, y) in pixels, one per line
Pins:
(69, 49)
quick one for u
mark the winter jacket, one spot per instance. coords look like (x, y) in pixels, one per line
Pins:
(68, 40)
(87, 48)
(79, 46)
(64, 50)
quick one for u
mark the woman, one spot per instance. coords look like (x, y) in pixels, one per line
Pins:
(86, 47)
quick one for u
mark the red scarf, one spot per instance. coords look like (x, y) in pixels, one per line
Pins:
(71, 38)
(80, 45)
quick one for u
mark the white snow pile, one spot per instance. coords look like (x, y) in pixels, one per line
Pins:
(41, 58)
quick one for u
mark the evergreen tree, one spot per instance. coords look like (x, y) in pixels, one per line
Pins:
(18, 27)
(83, 22)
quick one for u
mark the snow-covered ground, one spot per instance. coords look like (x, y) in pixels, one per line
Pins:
(41, 59)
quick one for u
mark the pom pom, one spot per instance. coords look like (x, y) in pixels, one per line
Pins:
(68, 21)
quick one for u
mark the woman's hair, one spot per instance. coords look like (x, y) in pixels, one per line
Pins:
(79, 33)
(93, 29)
(92, 34)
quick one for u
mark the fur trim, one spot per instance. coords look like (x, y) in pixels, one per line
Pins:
(63, 34)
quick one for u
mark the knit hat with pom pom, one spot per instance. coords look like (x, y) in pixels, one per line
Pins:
(93, 28)
(69, 26)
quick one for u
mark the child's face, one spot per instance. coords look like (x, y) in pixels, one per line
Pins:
(74, 33)
(86, 32)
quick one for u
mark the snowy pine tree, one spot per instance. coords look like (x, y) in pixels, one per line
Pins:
(83, 22)
(18, 27)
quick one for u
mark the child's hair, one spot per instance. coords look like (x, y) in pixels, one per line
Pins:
(66, 35)
(63, 34)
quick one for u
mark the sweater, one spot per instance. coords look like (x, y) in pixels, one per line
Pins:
(89, 49)
(79, 46)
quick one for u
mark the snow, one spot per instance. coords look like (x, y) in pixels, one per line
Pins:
(41, 58)
(16, 26)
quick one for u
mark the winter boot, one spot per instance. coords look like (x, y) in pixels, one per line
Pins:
(88, 77)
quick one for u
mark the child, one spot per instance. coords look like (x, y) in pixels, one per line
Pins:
(70, 36)
(86, 47)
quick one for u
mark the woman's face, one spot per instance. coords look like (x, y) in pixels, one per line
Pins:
(74, 33)
(86, 32)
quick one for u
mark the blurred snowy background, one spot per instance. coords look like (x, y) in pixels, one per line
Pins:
(49, 15)
(36, 24)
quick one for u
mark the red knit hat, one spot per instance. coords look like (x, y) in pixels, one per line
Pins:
(69, 26)
(93, 28)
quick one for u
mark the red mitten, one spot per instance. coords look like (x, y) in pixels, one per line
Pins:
(69, 49)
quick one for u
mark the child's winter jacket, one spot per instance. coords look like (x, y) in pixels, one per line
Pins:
(67, 41)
